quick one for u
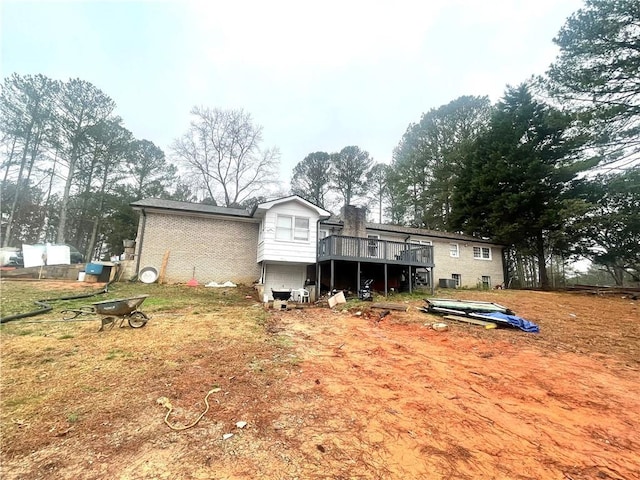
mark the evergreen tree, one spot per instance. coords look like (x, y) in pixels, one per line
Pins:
(312, 177)
(349, 169)
(428, 158)
(598, 72)
(608, 232)
(512, 182)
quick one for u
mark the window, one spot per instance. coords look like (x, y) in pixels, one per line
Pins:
(421, 242)
(486, 282)
(301, 231)
(458, 278)
(482, 253)
(283, 227)
(373, 245)
(454, 251)
(292, 228)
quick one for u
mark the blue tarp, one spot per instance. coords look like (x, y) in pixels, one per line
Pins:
(513, 320)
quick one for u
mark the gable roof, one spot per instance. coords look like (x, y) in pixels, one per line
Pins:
(175, 206)
(291, 198)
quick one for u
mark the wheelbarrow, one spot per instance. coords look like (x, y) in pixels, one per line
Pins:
(112, 310)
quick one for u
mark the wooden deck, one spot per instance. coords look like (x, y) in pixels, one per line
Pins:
(373, 250)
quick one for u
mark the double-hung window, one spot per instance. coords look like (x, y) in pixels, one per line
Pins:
(292, 228)
(482, 253)
(454, 250)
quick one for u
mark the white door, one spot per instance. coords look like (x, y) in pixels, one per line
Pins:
(284, 277)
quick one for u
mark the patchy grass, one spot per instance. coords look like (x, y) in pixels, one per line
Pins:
(325, 393)
(20, 296)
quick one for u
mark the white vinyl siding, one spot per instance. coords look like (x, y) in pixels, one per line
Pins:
(289, 234)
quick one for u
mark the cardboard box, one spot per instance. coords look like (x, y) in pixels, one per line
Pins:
(279, 304)
(90, 278)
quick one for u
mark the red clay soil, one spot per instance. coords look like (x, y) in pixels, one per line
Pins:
(472, 403)
(364, 397)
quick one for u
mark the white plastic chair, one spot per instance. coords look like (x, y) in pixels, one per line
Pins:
(301, 295)
(304, 294)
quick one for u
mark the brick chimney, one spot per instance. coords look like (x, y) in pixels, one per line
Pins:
(354, 221)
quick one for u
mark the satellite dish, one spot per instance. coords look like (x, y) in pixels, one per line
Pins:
(148, 275)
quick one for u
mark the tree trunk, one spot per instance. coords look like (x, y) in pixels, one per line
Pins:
(47, 203)
(64, 206)
(542, 264)
(7, 233)
(9, 160)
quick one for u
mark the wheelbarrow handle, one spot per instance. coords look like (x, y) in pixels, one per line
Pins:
(76, 312)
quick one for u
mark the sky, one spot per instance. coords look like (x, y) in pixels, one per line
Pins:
(318, 76)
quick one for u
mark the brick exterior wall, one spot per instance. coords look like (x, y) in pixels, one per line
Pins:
(472, 270)
(220, 250)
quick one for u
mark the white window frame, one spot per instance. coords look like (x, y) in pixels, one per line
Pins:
(421, 242)
(456, 253)
(292, 233)
(485, 281)
(479, 253)
(458, 278)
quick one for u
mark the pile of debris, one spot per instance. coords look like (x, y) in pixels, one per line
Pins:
(626, 292)
(486, 314)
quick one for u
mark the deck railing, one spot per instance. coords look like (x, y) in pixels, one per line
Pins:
(337, 247)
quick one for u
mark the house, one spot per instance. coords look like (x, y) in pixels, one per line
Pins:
(290, 243)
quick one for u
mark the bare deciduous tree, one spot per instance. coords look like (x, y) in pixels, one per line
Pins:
(223, 147)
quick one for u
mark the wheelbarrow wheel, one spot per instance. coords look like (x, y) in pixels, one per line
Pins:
(138, 319)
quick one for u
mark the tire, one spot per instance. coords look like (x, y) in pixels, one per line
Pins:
(138, 320)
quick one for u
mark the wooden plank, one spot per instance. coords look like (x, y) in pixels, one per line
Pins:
(163, 267)
(473, 321)
(390, 306)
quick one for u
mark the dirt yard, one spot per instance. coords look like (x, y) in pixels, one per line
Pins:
(327, 394)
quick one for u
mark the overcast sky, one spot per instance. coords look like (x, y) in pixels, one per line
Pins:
(317, 76)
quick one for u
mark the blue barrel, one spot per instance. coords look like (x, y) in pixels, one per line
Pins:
(93, 268)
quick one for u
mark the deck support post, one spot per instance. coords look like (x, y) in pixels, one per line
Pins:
(433, 287)
(386, 281)
(410, 281)
(333, 278)
(358, 280)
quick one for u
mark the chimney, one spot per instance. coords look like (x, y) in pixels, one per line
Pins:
(354, 221)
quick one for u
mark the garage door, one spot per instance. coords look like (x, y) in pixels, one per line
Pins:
(285, 277)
